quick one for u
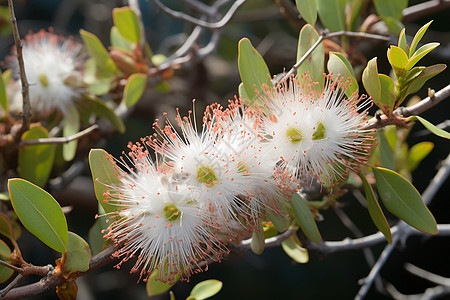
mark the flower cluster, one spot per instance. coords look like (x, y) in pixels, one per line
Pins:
(53, 68)
(204, 190)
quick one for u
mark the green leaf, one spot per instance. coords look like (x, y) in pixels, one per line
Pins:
(127, 22)
(394, 25)
(5, 253)
(3, 97)
(304, 218)
(279, 219)
(315, 62)
(134, 89)
(353, 12)
(100, 109)
(71, 127)
(95, 237)
(332, 14)
(386, 153)
(375, 211)
(118, 41)
(418, 37)
(372, 83)
(417, 153)
(104, 172)
(154, 286)
(402, 42)
(435, 130)
(206, 289)
(258, 243)
(397, 57)
(5, 226)
(338, 64)
(426, 74)
(294, 249)
(387, 96)
(253, 69)
(419, 54)
(392, 9)
(98, 52)
(308, 10)
(78, 254)
(402, 199)
(39, 213)
(36, 161)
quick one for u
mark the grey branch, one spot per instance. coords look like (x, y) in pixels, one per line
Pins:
(60, 140)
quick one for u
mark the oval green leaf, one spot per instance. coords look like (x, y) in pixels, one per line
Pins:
(314, 64)
(279, 219)
(402, 199)
(118, 41)
(397, 57)
(40, 213)
(71, 127)
(338, 64)
(417, 37)
(156, 287)
(36, 161)
(417, 153)
(5, 227)
(435, 130)
(95, 237)
(94, 105)
(294, 249)
(98, 52)
(253, 69)
(386, 153)
(305, 219)
(206, 289)
(134, 89)
(127, 22)
(375, 211)
(258, 242)
(387, 96)
(78, 254)
(104, 172)
(308, 10)
(5, 253)
(332, 14)
(392, 9)
(372, 83)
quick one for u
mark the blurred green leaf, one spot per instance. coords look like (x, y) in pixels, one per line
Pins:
(253, 69)
(402, 199)
(5, 226)
(134, 89)
(5, 253)
(315, 62)
(258, 243)
(294, 249)
(71, 127)
(417, 153)
(157, 287)
(415, 84)
(104, 172)
(435, 130)
(127, 22)
(421, 52)
(372, 83)
(338, 64)
(118, 41)
(206, 289)
(308, 10)
(402, 42)
(353, 11)
(40, 213)
(397, 57)
(36, 161)
(390, 8)
(394, 25)
(96, 106)
(375, 211)
(98, 52)
(5, 21)
(78, 254)
(332, 14)
(279, 219)
(386, 153)
(387, 96)
(3, 97)
(4, 196)
(417, 37)
(269, 230)
(305, 219)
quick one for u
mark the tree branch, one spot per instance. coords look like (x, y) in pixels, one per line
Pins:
(60, 140)
(423, 9)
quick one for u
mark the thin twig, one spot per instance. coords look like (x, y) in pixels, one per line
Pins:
(11, 285)
(60, 140)
(26, 108)
(427, 275)
(12, 267)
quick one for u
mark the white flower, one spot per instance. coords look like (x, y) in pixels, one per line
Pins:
(316, 134)
(51, 61)
(160, 222)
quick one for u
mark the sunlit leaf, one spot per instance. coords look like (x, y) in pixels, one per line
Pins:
(134, 89)
(206, 289)
(421, 52)
(36, 161)
(417, 153)
(387, 96)
(71, 127)
(332, 14)
(78, 254)
(338, 64)
(39, 213)
(402, 42)
(417, 37)
(127, 22)
(98, 52)
(308, 10)
(294, 249)
(315, 62)
(305, 219)
(372, 83)
(157, 287)
(426, 74)
(258, 243)
(402, 199)
(252, 68)
(435, 130)
(96, 106)
(375, 211)
(104, 173)
(118, 41)
(397, 57)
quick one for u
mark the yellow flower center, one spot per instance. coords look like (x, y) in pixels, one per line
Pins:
(171, 212)
(206, 175)
(294, 135)
(319, 133)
